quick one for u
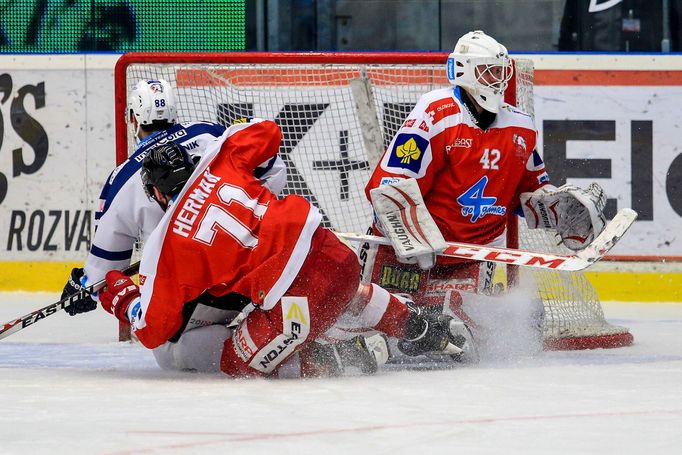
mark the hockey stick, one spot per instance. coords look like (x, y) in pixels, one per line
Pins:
(581, 260)
(15, 325)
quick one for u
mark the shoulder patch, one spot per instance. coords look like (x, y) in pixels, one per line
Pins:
(408, 151)
(535, 162)
(443, 108)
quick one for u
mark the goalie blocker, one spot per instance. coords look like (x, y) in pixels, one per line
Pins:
(406, 222)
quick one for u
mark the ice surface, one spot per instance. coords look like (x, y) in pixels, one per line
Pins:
(67, 386)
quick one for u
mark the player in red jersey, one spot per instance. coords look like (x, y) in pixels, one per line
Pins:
(225, 233)
(475, 161)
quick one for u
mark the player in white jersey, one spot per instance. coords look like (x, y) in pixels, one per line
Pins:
(126, 214)
(475, 161)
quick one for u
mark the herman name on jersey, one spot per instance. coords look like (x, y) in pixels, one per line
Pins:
(182, 225)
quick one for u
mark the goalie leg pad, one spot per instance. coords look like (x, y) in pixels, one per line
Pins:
(404, 219)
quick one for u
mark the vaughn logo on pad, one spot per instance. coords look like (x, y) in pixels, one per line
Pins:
(406, 222)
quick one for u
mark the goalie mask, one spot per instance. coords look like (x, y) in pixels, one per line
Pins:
(167, 168)
(152, 101)
(481, 66)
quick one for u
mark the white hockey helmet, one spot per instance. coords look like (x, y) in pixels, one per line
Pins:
(152, 100)
(482, 66)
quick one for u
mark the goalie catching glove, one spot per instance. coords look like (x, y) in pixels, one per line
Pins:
(119, 293)
(404, 219)
(576, 214)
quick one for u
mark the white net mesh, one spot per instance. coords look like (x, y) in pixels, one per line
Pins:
(336, 120)
(572, 307)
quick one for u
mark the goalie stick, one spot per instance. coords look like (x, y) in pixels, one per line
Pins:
(580, 261)
(15, 325)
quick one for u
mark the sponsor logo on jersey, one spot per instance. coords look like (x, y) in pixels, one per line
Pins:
(408, 151)
(460, 142)
(190, 145)
(143, 278)
(441, 287)
(409, 123)
(405, 280)
(140, 156)
(161, 138)
(543, 178)
(445, 106)
(171, 137)
(423, 126)
(476, 204)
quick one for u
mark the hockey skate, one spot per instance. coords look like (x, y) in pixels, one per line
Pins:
(364, 354)
(438, 336)
(460, 336)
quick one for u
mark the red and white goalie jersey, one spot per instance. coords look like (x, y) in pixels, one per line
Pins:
(225, 232)
(470, 178)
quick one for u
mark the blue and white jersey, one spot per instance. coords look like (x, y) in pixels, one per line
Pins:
(126, 214)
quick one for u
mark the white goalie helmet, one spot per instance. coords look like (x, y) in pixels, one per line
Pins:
(482, 66)
(152, 100)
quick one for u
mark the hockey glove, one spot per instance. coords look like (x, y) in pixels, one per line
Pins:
(582, 216)
(75, 284)
(119, 293)
(576, 214)
(437, 335)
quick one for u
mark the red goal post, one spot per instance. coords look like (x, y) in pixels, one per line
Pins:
(338, 111)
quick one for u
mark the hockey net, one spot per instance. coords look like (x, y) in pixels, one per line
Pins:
(338, 113)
